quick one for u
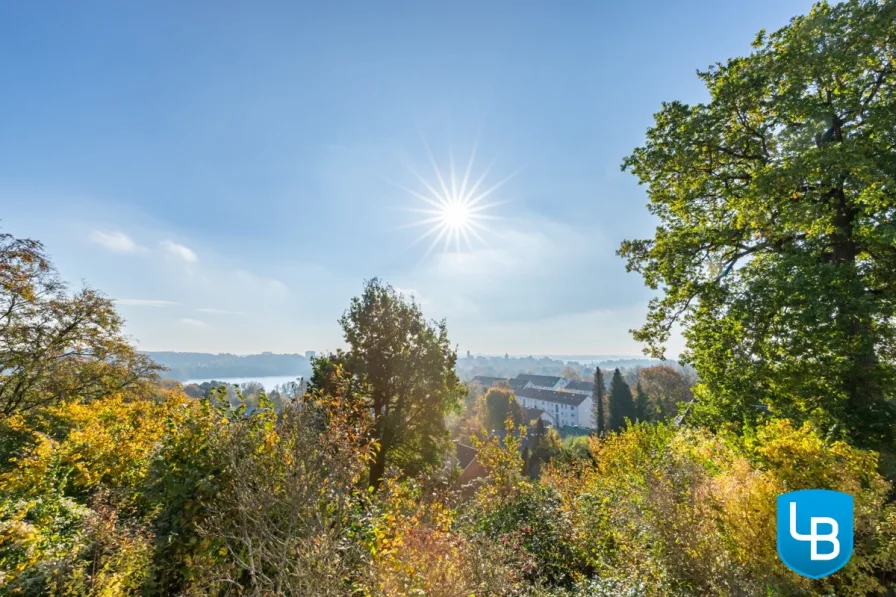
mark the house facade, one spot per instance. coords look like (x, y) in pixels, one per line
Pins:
(563, 402)
(565, 408)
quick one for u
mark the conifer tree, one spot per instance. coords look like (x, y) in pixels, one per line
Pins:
(621, 404)
(598, 396)
(642, 404)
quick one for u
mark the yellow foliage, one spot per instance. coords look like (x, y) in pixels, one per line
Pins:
(502, 460)
(111, 442)
(414, 550)
(688, 512)
(81, 452)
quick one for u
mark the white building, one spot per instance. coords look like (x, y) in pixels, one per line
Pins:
(563, 402)
(566, 408)
(580, 387)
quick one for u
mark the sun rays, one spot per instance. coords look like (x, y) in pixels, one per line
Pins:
(457, 205)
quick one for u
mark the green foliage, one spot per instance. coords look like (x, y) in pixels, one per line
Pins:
(544, 445)
(70, 503)
(530, 521)
(577, 448)
(775, 248)
(620, 402)
(186, 476)
(686, 512)
(286, 517)
(666, 388)
(599, 402)
(522, 515)
(642, 404)
(497, 405)
(402, 368)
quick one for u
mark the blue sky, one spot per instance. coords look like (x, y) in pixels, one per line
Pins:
(227, 170)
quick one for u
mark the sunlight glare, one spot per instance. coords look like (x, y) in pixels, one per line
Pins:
(455, 207)
(456, 214)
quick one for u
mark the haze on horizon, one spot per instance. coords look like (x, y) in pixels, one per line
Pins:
(231, 174)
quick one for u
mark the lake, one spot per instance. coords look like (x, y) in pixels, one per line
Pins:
(267, 381)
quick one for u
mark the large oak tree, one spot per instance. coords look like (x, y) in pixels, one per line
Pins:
(776, 244)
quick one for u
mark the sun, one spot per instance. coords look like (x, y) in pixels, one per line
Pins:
(456, 214)
(457, 207)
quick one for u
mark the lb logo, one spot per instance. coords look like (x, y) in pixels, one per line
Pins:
(815, 531)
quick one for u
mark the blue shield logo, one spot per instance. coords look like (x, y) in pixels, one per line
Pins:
(815, 528)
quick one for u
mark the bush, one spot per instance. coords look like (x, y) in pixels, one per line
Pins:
(687, 512)
(79, 466)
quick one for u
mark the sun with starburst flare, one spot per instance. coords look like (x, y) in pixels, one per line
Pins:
(457, 208)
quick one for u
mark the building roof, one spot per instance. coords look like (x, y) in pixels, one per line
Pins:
(547, 381)
(518, 384)
(552, 396)
(488, 381)
(580, 385)
(533, 414)
(465, 454)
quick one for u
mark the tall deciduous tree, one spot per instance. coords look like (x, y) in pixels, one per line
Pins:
(775, 249)
(54, 345)
(621, 405)
(667, 387)
(497, 404)
(598, 398)
(402, 368)
(570, 372)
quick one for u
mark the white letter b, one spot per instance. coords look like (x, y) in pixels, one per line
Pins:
(814, 537)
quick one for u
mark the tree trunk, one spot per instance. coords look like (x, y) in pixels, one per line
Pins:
(378, 468)
(864, 395)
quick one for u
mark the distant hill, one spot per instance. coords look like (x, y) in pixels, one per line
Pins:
(200, 365)
(507, 366)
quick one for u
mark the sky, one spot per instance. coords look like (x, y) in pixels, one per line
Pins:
(231, 172)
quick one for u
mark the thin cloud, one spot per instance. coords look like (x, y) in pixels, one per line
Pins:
(270, 286)
(218, 311)
(196, 323)
(472, 285)
(118, 242)
(179, 251)
(144, 303)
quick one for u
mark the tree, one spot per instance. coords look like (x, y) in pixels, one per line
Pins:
(193, 391)
(569, 372)
(776, 201)
(642, 404)
(402, 369)
(496, 405)
(543, 445)
(667, 388)
(55, 346)
(631, 375)
(292, 390)
(621, 405)
(251, 391)
(598, 397)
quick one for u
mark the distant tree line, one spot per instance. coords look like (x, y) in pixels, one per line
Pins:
(193, 365)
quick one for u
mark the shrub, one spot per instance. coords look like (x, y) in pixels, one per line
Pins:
(79, 465)
(687, 512)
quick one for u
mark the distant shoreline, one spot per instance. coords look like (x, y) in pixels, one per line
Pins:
(269, 382)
